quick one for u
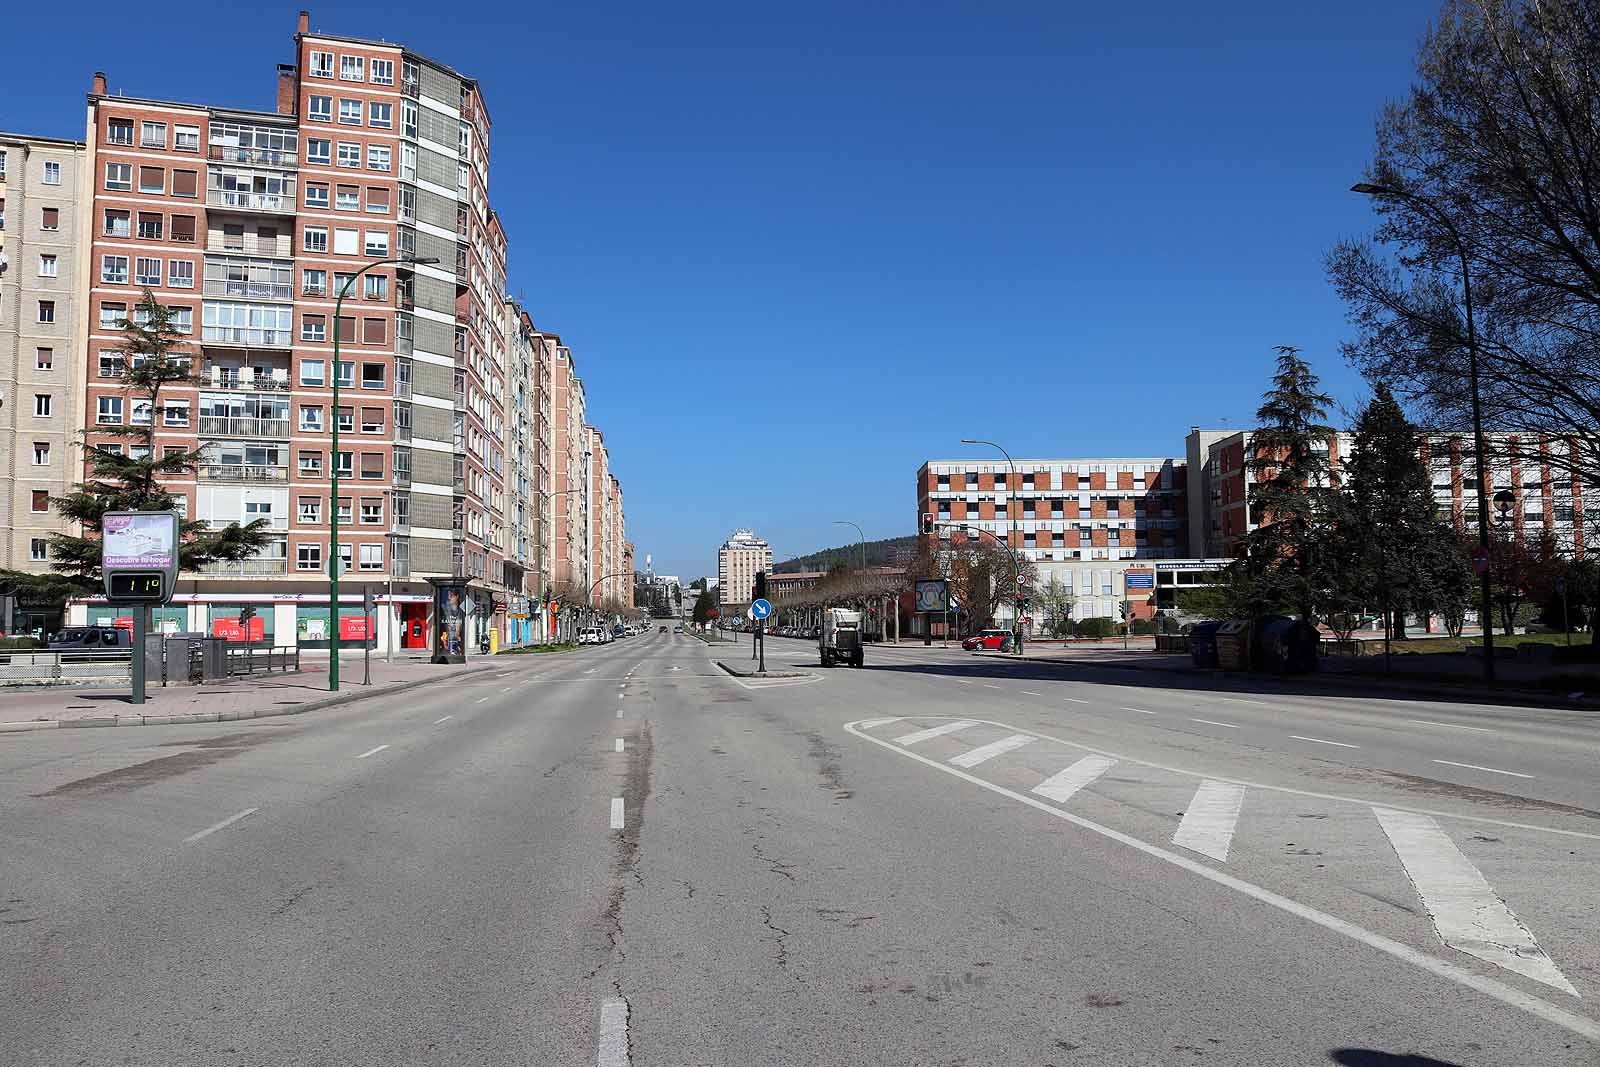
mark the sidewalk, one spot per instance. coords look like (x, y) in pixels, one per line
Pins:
(250, 697)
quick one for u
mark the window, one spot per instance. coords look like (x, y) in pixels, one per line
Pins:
(380, 115)
(152, 180)
(316, 239)
(311, 417)
(119, 176)
(320, 109)
(345, 516)
(373, 332)
(143, 413)
(345, 369)
(380, 157)
(47, 311)
(408, 119)
(152, 135)
(377, 243)
(345, 242)
(372, 510)
(462, 172)
(119, 131)
(321, 65)
(180, 274)
(114, 269)
(313, 328)
(112, 364)
(37, 549)
(371, 420)
(314, 282)
(44, 358)
(181, 319)
(344, 465)
(350, 112)
(319, 150)
(118, 223)
(41, 405)
(349, 197)
(373, 374)
(381, 72)
(311, 464)
(186, 183)
(112, 316)
(310, 509)
(39, 500)
(372, 466)
(41, 453)
(50, 218)
(346, 418)
(175, 413)
(147, 270)
(352, 68)
(377, 286)
(183, 229)
(349, 154)
(313, 372)
(316, 194)
(308, 557)
(371, 557)
(377, 200)
(109, 411)
(186, 138)
(47, 266)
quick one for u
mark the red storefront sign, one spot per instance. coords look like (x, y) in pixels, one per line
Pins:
(354, 628)
(231, 630)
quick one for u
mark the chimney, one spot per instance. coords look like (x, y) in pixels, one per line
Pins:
(305, 22)
(288, 103)
(99, 87)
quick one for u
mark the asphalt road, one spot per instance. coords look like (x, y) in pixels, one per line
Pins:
(938, 859)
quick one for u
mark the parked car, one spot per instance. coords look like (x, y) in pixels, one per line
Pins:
(92, 637)
(988, 641)
(677, 629)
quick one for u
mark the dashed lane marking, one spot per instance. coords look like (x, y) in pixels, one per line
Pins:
(1213, 722)
(617, 813)
(436, 722)
(1451, 726)
(223, 825)
(1476, 767)
(372, 752)
(1139, 711)
(613, 1033)
(619, 745)
(1321, 741)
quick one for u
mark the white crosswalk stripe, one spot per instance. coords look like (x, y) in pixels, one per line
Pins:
(1208, 822)
(1466, 912)
(932, 732)
(987, 752)
(1059, 787)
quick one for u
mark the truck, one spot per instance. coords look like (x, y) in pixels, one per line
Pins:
(840, 638)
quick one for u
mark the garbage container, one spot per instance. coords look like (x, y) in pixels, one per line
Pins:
(1232, 641)
(1285, 646)
(1203, 643)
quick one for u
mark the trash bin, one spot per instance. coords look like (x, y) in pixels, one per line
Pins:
(1232, 641)
(1203, 643)
(1285, 646)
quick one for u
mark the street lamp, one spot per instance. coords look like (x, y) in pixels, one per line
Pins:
(859, 535)
(333, 482)
(1433, 210)
(1011, 511)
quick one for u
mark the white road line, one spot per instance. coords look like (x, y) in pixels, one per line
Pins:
(873, 724)
(372, 752)
(1583, 1026)
(619, 713)
(1451, 725)
(616, 813)
(591, 670)
(1076, 700)
(480, 700)
(991, 750)
(223, 825)
(1207, 826)
(936, 731)
(986, 685)
(619, 744)
(1030, 692)
(1212, 722)
(1141, 711)
(1060, 786)
(436, 722)
(1466, 913)
(1475, 767)
(1320, 741)
(613, 1033)
(963, 681)
(507, 689)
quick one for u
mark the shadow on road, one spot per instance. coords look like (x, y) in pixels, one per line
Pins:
(1366, 1057)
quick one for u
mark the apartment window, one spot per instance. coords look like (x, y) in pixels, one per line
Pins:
(180, 273)
(349, 154)
(319, 109)
(346, 418)
(150, 225)
(372, 510)
(111, 363)
(47, 266)
(186, 183)
(114, 269)
(47, 311)
(44, 358)
(311, 464)
(373, 375)
(344, 466)
(380, 115)
(352, 68)
(41, 453)
(350, 112)
(143, 413)
(377, 201)
(321, 65)
(175, 413)
(118, 223)
(41, 405)
(119, 176)
(346, 515)
(310, 509)
(119, 131)
(186, 138)
(319, 150)
(316, 239)
(372, 466)
(316, 194)
(52, 173)
(38, 551)
(377, 243)
(314, 282)
(371, 420)
(408, 119)
(311, 418)
(112, 316)
(182, 229)
(380, 157)
(152, 180)
(40, 500)
(308, 557)
(381, 72)
(345, 369)
(313, 372)
(377, 286)
(147, 270)
(313, 328)
(180, 319)
(152, 135)
(346, 242)
(50, 218)
(349, 197)
(109, 410)
(371, 557)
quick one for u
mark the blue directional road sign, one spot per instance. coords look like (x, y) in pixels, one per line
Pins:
(761, 609)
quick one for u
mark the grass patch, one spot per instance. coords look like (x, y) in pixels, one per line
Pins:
(1463, 644)
(525, 650)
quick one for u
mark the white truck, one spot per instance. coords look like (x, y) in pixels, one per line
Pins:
(840, 639)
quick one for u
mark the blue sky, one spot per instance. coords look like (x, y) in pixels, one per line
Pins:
(798, 252)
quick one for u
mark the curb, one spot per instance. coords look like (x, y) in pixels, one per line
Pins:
(769, 674)
(226, 716)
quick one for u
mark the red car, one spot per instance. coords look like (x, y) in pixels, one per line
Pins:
(988, 640)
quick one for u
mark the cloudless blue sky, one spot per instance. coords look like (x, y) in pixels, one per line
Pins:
(796, 252)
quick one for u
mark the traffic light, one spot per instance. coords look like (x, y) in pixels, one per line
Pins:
(927, 523)
(761, 585)
(246, 613)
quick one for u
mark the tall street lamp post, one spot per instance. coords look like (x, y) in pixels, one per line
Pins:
(333, 481)
(1438, 214)
(1011, 512)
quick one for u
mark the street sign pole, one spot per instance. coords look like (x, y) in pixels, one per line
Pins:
(366, 634)
(141, 631)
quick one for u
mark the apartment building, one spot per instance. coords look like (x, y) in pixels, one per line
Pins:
(40, 262)
(570, 501)
(738, 560)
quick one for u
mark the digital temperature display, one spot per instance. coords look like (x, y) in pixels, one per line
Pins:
(148, 586)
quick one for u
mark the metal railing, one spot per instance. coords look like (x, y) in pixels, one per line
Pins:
(245, 200)
(253, 658)
(230, 426)
(245, 568)
(249, 290)
(269, 157)
(242, 472)
(217, 241)
(258, 336)
(36, 667)
(260, 380)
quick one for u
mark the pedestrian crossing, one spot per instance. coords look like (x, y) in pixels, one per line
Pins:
(1464, 911)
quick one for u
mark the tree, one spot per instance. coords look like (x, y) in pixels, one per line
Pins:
(1520, 571)
(1448, 587)
(1056, 600)
(1229, 595)
(135, 482)
(1293, 481)
(703, 605)
(1496, 142)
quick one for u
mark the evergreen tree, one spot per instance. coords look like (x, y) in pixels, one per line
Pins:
(702, 607)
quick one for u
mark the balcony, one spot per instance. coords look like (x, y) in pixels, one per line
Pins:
(249, 378)
(242, 472)
(245, 568)
(247, 336)
(402, 434)
(249, 290)
(266, 157)
(248, 244)
(245, 200)
(243, 426)
(401, 479)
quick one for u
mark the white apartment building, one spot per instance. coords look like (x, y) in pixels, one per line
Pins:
(738, 560)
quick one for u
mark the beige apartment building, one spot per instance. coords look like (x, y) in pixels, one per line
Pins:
(738, 560)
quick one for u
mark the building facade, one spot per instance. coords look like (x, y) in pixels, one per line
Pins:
(738, 560)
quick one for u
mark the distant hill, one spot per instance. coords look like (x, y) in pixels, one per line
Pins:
(879, 554)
